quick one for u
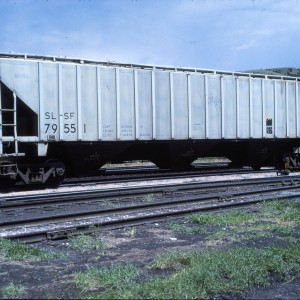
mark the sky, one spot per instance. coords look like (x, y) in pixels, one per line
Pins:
(233, 35)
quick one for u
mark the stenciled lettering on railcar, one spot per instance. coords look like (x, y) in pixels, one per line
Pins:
(126, 130)
(52, 126)
(107, 131)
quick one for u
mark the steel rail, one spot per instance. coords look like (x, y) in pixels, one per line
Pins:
(161, 174)
(14, 202)
(138, 212)
(117, 177)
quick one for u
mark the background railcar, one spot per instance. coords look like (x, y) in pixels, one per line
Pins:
(69, 116)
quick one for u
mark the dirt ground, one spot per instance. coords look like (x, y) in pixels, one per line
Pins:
(137, 245)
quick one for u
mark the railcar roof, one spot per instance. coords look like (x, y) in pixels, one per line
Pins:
(48, 58)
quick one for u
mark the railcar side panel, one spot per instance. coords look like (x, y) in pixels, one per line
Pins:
(269, 109)
(291, 109)
(87, 102)
(96, 102)
(280, 106)
(297, 93)
(68, 103)
(229, 107)
(49, 119)
(126, 105)
(197, 91)
(243, 98)
(108, 104)
(144, 105)
(256, 108)
(162, 106)
(213, 106)
(22, 77)
(179, 106)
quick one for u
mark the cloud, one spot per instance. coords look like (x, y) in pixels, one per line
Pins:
(206, 34)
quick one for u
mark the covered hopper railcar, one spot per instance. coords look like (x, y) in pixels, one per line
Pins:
(68, 116)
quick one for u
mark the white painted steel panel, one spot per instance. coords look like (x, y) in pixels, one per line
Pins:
(269, 109)
(89, 103)
(256, 122)
(97, 102)
(1, 133)
(197, 90)
(50, 120)
(180, 103)
(162, 105)
(22, 76)
(127, 104)
(69, 102)
(280, 115)
(213, 110)
(291, 109)
(144, 79)
(298, 108)
(109, 103)
(229, 106)
(244, 108)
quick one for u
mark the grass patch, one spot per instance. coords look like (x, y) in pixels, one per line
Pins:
(112, 279)
(209, 273)
(12, 291)
(222, 219)
(276, 210)
(196, 275)
(149, 198)
(283, 210)
(276, 218)
(130, 232)
(14, 250)
(85, 243)
(187, 229)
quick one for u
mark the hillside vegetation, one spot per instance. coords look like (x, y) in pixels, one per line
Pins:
(294, 72)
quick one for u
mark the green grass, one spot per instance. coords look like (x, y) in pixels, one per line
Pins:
(106, 278)
(277, 218)
(222, 219)
(187, 229)
(149, 198)
(12, 291)
(282, 210)
(195, 275)
(277, 210)
(14, 250)
(204, 274)
(130, 232)
(85, 243)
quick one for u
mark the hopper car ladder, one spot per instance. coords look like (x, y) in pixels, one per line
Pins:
(8, 165)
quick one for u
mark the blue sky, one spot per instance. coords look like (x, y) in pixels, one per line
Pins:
(214, 34)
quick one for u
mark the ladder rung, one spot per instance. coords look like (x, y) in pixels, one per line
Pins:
(8, 138)
(12, 154)
(13, 138)
(7, 109)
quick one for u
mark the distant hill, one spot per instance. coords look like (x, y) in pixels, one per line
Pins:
(294, 72)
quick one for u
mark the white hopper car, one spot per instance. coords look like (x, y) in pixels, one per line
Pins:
(70, 116)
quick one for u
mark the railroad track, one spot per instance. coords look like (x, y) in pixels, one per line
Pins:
(55, 216)
(128, 174)
(116, 175)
